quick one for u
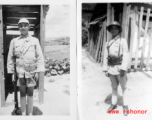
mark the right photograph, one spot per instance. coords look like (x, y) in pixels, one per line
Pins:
(116, 61)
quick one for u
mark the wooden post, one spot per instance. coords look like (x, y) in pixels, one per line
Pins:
(108, 20)
(124, 19)
(112, 14)
(138, 40)
(149, 50)
(133, 23)
(127, 23)
(2, 82)
(144, 40)
(42, 39)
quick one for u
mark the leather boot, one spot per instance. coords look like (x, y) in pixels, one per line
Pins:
(125, 109)
(112, 107)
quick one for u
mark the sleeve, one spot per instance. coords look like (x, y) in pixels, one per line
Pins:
(39, 57)
(10, 65)
(126, 57)
(105, 60)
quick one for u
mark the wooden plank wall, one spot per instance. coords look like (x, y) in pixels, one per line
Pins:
(134, 30)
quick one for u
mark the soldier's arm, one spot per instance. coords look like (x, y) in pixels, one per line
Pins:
(10, 64)
(39, 57)
(125, 53)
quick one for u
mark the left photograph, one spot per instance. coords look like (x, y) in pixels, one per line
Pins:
(35, 60)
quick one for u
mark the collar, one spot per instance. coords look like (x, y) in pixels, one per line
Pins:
(26, 37)
(117, 37)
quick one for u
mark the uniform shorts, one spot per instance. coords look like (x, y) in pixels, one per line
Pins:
(29, 82)
(116, 79)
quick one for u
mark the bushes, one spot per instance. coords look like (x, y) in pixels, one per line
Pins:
(84, 36)
(58, 41)
(56, 67)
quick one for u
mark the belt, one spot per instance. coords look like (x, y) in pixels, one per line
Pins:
(29, 67)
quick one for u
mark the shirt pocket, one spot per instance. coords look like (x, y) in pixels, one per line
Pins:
(116, 45)
(17, 50)
(32, 48)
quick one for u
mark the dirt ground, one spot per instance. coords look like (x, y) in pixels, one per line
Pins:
(96, 89)
(56, 98)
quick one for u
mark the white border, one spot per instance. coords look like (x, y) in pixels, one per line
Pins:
(79, 55)
(79, 43)
(73, 64)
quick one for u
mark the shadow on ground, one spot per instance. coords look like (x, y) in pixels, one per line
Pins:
(36, 111)
(119, 101)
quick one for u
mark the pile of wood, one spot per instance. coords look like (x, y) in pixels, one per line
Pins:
(55, 67)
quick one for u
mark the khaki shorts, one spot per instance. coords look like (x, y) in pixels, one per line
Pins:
(29, 82)
(116, 79)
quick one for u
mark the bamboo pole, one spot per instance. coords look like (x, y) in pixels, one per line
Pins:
(138, 40)
(104, 42)
(144, 40)
(2, 82)
(90, 35)
(133, 20)
(98, 44)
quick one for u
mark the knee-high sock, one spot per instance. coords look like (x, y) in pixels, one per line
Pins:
(29, 105)
(23, 105)
(124, 93)
(114, 96)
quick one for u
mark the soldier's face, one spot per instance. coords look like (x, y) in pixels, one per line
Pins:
(24, 28)
(114, 30)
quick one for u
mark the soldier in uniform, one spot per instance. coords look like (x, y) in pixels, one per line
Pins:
(115, 64)
(29, 63)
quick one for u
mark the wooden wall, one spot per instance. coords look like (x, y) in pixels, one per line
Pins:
(136, 29)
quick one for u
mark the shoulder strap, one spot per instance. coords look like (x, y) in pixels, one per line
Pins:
(111, 44)
(119, 48)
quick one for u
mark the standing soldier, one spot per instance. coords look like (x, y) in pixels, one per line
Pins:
(115, 64)
(29, 62)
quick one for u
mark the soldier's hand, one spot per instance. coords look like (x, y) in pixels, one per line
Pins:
(122, 73)
(36, 77)
(13, 79)
(106, 74)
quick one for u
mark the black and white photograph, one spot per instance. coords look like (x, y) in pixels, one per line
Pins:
(115, 60)
(36, 70)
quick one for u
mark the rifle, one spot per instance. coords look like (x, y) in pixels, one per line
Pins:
(16, 109)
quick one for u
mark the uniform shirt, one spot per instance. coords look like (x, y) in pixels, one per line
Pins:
(29, 52)
(115, 50)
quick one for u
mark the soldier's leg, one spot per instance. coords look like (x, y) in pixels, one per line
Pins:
(123, 83)
(114, 85)
(30, 99)
(22, 89)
